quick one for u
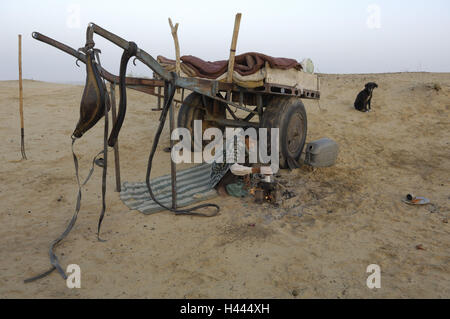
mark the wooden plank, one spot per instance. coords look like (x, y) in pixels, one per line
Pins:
(291, 78)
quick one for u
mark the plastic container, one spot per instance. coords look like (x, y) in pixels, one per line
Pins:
(321, 153)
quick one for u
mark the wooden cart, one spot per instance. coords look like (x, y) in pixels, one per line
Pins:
(215, 102)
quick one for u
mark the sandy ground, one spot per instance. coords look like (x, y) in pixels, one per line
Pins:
(344, 218)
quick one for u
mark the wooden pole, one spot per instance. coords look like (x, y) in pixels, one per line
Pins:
(237, 23)
(22, 132)
(159, 98)
(174, 30)
(116, 146)
(173, 168)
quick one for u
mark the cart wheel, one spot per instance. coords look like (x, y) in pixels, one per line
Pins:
(289, 115)
(193, 108)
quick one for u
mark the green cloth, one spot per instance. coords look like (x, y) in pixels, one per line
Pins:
(237, 189)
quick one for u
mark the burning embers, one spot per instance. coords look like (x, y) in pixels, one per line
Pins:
(267, 190)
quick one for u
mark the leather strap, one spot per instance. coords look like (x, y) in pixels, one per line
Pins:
(53, 259)
(127, 54)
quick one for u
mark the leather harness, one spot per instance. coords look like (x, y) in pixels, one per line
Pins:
(95, 103)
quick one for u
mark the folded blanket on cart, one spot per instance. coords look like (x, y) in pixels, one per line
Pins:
(251, 70)
(249, 81)
(245, 64)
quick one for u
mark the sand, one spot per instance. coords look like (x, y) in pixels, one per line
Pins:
(343, 219)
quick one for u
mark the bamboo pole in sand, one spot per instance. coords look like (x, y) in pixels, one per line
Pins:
(22, 132)
(237, 23)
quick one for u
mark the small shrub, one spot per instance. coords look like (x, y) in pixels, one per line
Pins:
(436, 86)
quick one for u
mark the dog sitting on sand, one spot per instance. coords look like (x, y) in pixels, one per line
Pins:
(364, 98)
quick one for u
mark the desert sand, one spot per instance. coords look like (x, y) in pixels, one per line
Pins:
(343, 219)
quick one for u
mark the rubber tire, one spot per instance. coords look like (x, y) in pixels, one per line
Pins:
(192, 109)
(279, 112)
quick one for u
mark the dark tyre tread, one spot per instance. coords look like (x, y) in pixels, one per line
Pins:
(277, 113)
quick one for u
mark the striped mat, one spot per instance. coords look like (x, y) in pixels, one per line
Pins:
(192, 187)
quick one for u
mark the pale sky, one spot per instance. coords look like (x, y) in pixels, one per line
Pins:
(347, 36)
